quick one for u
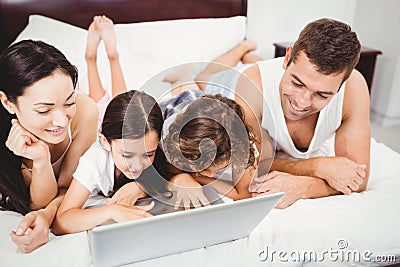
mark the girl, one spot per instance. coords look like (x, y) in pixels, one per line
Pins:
(45, 127)
(195, 116)
(125, 151)
(102, 29)
(211, 142)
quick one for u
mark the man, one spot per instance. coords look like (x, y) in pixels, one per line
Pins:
(308, 97)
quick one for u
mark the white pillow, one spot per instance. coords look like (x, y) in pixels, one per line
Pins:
(145, 48)
(158, 45)
(69, 39)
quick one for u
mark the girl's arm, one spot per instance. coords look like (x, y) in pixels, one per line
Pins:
(71, 218)
(188, 191)
(239, 191)
(84, 133)
(128, 194)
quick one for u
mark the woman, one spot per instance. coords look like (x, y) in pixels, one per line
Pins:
(45, 129)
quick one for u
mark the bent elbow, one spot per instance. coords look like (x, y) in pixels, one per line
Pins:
(361, 189)
(41, 204)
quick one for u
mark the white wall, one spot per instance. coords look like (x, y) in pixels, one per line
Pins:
(393, 107)
(271, 21)
(375, 21)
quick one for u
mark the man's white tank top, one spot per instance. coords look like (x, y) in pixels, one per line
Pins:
(273, 120)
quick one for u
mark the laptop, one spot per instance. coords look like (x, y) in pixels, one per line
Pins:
(128, 242)
(164, 203)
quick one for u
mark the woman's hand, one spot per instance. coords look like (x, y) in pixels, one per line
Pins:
(32, 232)
(127, 194)
(188, 192)
(23, 143)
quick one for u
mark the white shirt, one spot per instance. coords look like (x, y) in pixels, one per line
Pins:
(95, 170)
(273, 119)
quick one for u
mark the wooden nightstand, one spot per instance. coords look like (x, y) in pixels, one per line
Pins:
(366, 65)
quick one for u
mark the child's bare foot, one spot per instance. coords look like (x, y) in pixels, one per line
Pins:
(105, 26)
(93, 40)
(249, 45)
(181, 80)
(182, 74)
(251, 57)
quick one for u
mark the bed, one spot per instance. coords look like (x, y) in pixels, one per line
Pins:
(358, 230)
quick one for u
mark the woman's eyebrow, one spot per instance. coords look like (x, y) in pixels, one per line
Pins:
(52, 104)
(71, 95)
(43, 103)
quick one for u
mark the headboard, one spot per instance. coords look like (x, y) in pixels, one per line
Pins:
(14, 14)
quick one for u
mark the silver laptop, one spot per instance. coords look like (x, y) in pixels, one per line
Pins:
(122, 243)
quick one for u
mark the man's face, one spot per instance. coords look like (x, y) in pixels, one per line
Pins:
(305, 91)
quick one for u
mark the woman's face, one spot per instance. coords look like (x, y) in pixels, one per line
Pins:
(47, 107)
(133, 156)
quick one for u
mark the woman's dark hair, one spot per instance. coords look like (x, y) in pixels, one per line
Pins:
(210, 118)
(132, 115)
(21, 65)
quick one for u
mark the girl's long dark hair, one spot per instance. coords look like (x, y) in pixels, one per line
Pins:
(21, 65)
(132, 115)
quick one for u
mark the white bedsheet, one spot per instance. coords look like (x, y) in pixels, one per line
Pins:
(366, 224)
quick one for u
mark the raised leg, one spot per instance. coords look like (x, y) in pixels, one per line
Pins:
(106, 29)
(226, 60)
(96, 90)
(250, 58)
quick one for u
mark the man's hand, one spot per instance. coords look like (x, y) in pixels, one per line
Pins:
(295, 187)
(32, 232)
(127, 194)
(341, 173)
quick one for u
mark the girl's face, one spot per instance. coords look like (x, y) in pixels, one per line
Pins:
(47, 107)
(213, 170)
(133, 156)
